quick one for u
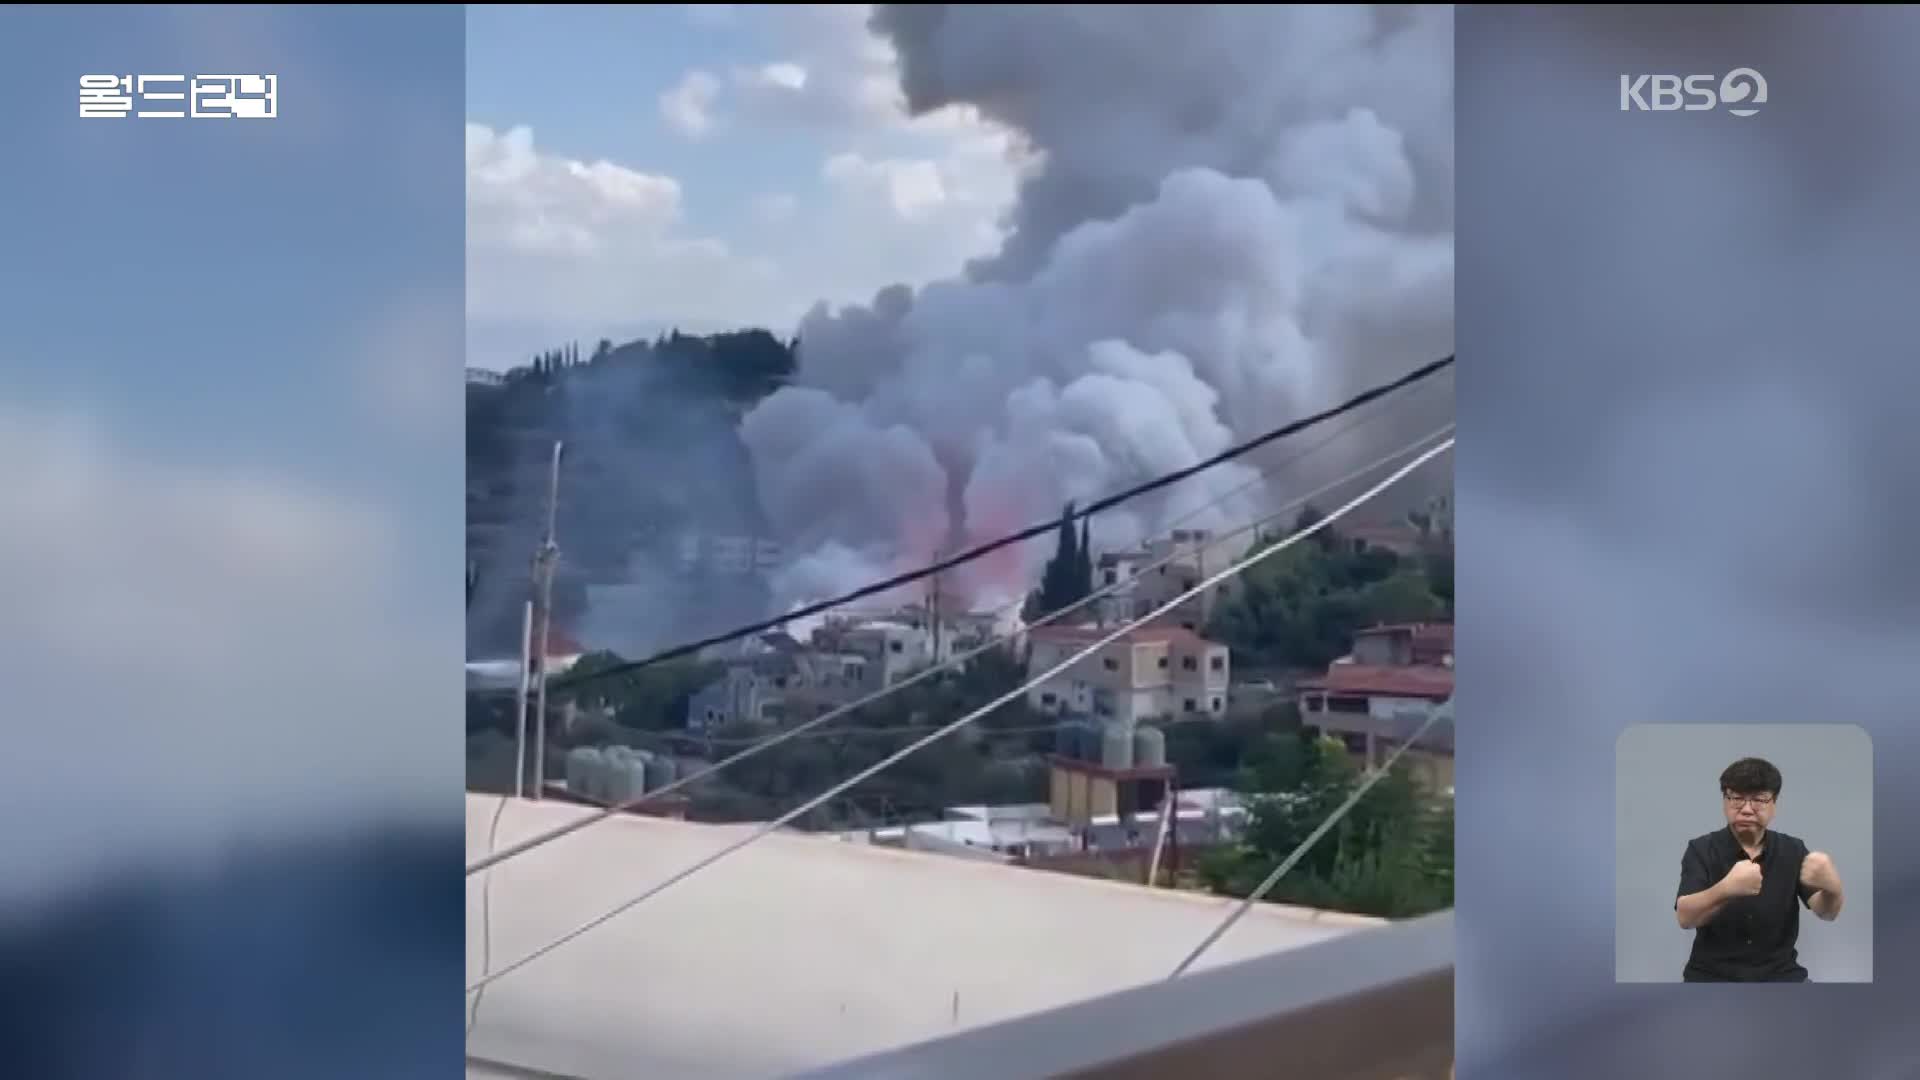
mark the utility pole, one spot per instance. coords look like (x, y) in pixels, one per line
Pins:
(520, 702)
(545, 560)
(933, 609)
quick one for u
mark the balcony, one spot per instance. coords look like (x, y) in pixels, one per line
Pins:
(1375, 1005)
(808, 953)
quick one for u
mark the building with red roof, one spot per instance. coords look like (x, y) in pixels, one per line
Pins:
(1375, 698)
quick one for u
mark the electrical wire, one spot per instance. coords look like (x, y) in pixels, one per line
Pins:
(959, 659)
(980, 551)
(1263, 476)
(1272, 879)
(486, 921)
(873, 770)
(904, 729)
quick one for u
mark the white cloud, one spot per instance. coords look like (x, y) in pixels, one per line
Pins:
(519, 200)
(585, 248)
(180, 639)
(688, 107)
(913, 188)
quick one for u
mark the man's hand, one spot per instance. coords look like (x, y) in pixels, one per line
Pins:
(1817, 873)
(1743, 879)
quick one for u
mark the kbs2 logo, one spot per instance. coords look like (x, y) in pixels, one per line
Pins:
(1741, 92)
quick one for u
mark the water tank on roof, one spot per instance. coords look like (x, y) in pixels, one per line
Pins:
(1066, 739)
(1116, 747)
(1086, 741)
(1149, 748)
(613, 776)
(660, 772)
(636, 779)
(576, 768)
(584, 765)
(617, 780)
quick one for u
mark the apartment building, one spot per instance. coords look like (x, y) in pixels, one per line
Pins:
(1376, 697)
(1151, 673)
(1147, 579)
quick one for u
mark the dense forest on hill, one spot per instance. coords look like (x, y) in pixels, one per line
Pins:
(651, 452)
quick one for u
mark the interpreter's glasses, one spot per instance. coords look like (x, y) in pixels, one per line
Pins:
(1758, 802)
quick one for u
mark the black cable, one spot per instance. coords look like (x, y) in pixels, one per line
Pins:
(981, 551)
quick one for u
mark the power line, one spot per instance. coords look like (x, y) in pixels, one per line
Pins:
(1262, 477)
(497, 857)
(873, 770)
(982, 550)
(904, 729)
(1246, 904)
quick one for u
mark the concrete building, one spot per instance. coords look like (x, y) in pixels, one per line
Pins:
(798, 951)
(1021, 833)
(1404, 645)
(893, 649)
(1151, 673)
(780, 682)
(1145, 580)
(1375, 698)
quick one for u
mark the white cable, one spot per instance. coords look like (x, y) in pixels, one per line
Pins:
(865, 774)
(495, 858)
(1246, 904)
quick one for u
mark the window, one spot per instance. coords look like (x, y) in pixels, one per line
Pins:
(1163, 663)
(1187, 584)
(1216, 704)
(1110, 664)
(896, 646)
(1113, 578)
(1217, 663)
(780, 682)
(1187, 664)
(1192, 705)
(1048, 699)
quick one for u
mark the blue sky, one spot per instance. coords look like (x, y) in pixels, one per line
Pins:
(588, 78)
(804, 180)
(232, 448)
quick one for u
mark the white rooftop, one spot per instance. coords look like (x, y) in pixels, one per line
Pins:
(799, 950)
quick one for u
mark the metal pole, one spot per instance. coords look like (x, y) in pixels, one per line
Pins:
(520, 703)
(1166, 815)
(545, 563)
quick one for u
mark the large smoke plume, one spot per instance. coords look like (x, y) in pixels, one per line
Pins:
(1235, 216)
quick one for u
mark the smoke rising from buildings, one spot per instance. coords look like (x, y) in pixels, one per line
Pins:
(1234, 217)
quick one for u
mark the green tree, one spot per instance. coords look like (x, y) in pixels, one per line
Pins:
(653, 698)
(1068, 576)
(1391, 855)
(1300, 608)
(1407, 596)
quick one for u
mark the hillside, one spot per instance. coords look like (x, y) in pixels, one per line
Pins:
(652, 455)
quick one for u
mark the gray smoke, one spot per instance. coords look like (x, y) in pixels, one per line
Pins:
(1239, 216)
(1685, 497)
(652, 459)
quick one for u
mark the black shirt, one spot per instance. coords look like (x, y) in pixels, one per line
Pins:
(1751, 938)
